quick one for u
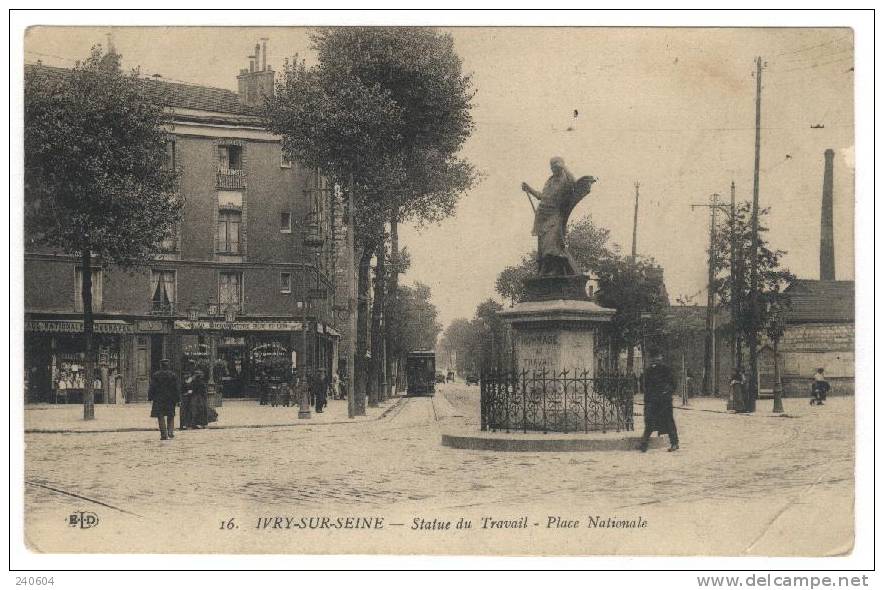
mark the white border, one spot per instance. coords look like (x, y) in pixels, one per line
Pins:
(862, 23)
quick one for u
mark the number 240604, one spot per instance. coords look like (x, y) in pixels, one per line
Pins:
(34, 581)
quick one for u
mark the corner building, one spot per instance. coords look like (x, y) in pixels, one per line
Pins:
(252, 259)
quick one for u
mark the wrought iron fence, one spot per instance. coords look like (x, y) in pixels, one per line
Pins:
(567, 401)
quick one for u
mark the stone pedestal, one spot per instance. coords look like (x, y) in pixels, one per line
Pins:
(557, 327)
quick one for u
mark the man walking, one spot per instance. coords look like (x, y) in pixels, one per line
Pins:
(659, 386)
(164, 392)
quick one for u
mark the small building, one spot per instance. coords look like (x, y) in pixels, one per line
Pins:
(819, 333)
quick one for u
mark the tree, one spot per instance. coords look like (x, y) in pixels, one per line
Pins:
(510, 283)
(385, 112)
(772, 276)
(98, 183)
(413, 320)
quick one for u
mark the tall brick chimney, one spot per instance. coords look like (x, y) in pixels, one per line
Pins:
(827, 238)
(256, 82)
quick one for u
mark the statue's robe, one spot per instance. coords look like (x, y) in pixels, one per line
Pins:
(560, 195)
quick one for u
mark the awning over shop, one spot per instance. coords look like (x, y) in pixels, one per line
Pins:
(75, 326)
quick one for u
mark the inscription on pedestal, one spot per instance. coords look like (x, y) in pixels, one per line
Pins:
(537, 350)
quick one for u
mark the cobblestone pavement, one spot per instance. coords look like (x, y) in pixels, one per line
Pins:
(739, 485)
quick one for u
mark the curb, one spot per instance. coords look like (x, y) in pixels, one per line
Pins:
(384, 414)
(547, 445)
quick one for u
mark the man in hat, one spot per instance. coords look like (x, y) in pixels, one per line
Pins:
(660, 384)
(164, 392)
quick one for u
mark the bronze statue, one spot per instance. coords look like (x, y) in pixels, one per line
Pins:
(560, 195)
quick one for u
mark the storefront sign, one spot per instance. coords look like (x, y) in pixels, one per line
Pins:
(101, 327)
(150, 326)
(240, 326)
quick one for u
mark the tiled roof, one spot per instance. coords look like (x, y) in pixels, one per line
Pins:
(821, 301)
(176, 94)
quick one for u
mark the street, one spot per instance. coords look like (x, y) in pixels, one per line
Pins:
(740, 485)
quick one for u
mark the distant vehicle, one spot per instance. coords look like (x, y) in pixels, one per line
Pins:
(420, 370)
(450, 376)
(440, 378)
(472, 379)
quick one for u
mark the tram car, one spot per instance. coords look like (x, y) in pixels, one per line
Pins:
(420, 370)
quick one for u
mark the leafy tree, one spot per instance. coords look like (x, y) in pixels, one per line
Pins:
(413, 320)
(97, 183)
(384, 112)
(772, 276)
(510, 283)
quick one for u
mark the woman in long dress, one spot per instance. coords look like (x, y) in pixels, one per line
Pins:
(199, 402)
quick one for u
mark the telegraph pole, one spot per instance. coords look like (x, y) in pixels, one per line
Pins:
(710, 379)
(736, 342)
(753, 275)
(635, 223)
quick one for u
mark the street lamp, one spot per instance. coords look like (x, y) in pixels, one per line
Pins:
(775, 331)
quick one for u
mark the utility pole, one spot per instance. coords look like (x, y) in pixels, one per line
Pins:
(351, 299)
(710, 379)
(635, 222)
(736, 341)
(752, 392)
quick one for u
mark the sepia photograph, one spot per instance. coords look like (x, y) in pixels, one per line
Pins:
(402, 290)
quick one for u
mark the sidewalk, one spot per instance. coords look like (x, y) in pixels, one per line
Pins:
(47, 418)
(794, 407)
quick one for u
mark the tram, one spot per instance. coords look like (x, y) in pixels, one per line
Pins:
(420, 370)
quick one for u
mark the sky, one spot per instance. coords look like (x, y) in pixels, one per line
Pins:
(672, 109)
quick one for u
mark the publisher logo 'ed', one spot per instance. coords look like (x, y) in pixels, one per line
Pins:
(83, 520)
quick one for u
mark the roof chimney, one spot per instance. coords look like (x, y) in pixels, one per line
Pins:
(827, 238)
(264, 54)
(256, 83)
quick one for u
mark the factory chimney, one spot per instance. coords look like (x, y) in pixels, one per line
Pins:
(827, 238)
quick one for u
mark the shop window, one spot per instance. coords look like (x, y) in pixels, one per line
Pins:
(162, 287)
(230, 291)
(97, 290)
(285, 282)
(228, 238)
(285, 222)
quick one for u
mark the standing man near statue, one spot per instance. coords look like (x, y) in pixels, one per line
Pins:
(560, 195)
(164, 392)
(660, 384)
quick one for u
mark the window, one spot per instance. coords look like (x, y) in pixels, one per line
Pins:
(170, 244)
(229, 223)
(97, 290)
(285, 282)
(171, 162)
(162, 289)
(230, 291)
(284, 162)
(229, 158)
(285, 222)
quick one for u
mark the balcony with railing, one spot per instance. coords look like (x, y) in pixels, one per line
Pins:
(162, 308)
(231, 179)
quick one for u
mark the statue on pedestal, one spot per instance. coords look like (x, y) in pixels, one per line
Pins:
(560, 195)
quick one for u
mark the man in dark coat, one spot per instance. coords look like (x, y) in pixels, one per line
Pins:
(164, 392)
(660, 384)
(319, 385)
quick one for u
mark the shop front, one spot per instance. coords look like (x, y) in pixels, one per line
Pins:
(55, 358)
(242, 353)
